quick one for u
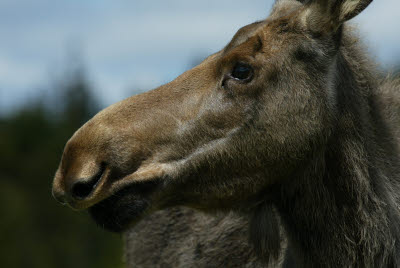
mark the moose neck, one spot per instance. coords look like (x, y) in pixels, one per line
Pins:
(339, 211)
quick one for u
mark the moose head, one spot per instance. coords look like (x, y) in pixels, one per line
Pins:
(222, 135)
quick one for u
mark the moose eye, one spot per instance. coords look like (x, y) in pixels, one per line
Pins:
(242, 72)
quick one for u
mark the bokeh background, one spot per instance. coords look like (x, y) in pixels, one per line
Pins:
(61, 61)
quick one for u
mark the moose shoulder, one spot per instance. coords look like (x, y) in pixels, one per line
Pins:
(287, 126)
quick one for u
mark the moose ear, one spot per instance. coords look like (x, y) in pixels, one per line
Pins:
(329, 15)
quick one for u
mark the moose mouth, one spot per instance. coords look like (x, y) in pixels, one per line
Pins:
(125, 207)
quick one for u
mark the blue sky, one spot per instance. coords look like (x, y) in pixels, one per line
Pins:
(131, 45)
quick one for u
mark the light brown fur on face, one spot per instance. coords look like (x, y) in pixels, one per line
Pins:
(282, 125)
(161, 132)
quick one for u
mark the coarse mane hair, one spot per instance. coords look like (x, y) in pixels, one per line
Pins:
(348, 189)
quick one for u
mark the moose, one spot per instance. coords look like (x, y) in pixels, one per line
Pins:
(289, 126)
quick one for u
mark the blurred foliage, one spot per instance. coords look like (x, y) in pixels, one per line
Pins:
(35, 230)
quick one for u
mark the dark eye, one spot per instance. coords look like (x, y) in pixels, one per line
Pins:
(242, 72)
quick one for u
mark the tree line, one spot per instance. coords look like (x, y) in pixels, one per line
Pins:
(35, 230)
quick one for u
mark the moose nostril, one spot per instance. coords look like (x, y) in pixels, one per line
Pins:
(82, 189)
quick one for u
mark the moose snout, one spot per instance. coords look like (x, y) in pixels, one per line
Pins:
(83, 187)
(78, 188)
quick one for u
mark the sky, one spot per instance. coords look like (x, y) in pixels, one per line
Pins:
(128, 46)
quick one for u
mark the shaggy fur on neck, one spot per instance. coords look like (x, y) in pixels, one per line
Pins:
(340, 209)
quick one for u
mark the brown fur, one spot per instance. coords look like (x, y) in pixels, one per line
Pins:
(182, 237)
(170, 238)
(304, 139)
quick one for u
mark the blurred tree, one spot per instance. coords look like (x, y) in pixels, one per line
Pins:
(397, 70)
(35, 230)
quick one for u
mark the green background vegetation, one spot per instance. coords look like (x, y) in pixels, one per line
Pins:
(36, 231)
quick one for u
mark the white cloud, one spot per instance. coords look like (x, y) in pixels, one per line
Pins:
(18, 74)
